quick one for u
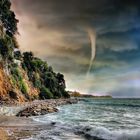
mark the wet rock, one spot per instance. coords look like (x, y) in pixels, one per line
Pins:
(53, 123)
(35, 111)
(44, 107)
(89, 137)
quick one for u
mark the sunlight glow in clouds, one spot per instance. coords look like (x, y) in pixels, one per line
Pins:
(55, 31)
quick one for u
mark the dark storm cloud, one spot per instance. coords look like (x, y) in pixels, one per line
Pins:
(56, 30)
(105, 15)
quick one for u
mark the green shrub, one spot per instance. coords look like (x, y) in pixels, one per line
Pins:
(14, 65)
(23, 87)
(18, 55)
(45, 93)
(23, 66)
(17, 79)
(37, 83)
(35, 97)
(13, 80)
(16, 74)
(65, 94)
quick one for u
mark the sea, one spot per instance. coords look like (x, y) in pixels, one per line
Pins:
(93, 119)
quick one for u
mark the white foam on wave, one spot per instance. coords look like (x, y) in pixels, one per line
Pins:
(9, 111)
(129, 135)
(73, 123)
(63, 131)
(106, 134)
(92, 131)
(57, 132)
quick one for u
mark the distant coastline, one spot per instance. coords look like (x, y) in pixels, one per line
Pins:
(78, 94)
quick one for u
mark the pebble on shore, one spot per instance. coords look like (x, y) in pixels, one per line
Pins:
(44, 107)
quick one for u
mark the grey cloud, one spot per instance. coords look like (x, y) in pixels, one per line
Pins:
(117, 42)
(56, 30)
(127, 92)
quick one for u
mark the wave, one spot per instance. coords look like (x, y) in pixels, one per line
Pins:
(61, 131)
(71, 125)
(121, 104)
(102, 133)
(9, 111)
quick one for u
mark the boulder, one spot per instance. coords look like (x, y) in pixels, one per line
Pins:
(36, 110)
(44, 107)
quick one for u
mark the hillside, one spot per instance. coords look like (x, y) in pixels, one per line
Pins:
(23, 77)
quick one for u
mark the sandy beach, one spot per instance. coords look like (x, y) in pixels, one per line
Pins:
(15, 128)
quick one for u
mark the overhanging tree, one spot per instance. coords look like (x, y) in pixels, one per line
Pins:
(8, 18)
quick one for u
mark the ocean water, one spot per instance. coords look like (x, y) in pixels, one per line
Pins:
(107, 119)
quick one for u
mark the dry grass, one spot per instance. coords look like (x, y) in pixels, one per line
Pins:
(5, 85)
(3, 134)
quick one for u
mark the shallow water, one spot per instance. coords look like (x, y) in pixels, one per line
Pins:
(110, 119)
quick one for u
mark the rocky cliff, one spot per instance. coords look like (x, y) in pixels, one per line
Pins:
(23, 77)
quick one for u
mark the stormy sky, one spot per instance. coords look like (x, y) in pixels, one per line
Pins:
(58, 32)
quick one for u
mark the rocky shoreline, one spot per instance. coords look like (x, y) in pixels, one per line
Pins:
(21, 127)
(18, 125)
(42, 107)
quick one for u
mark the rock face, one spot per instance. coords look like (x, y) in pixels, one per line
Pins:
(5, 86)
(44, 107)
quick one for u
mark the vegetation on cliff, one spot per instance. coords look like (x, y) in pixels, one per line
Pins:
(26, 77)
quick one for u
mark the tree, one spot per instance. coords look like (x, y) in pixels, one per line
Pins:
(8, 18)
(43, 77)
(61, 80)
(17, 55)
(45, 93)
(6, 48)
(28, 56)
